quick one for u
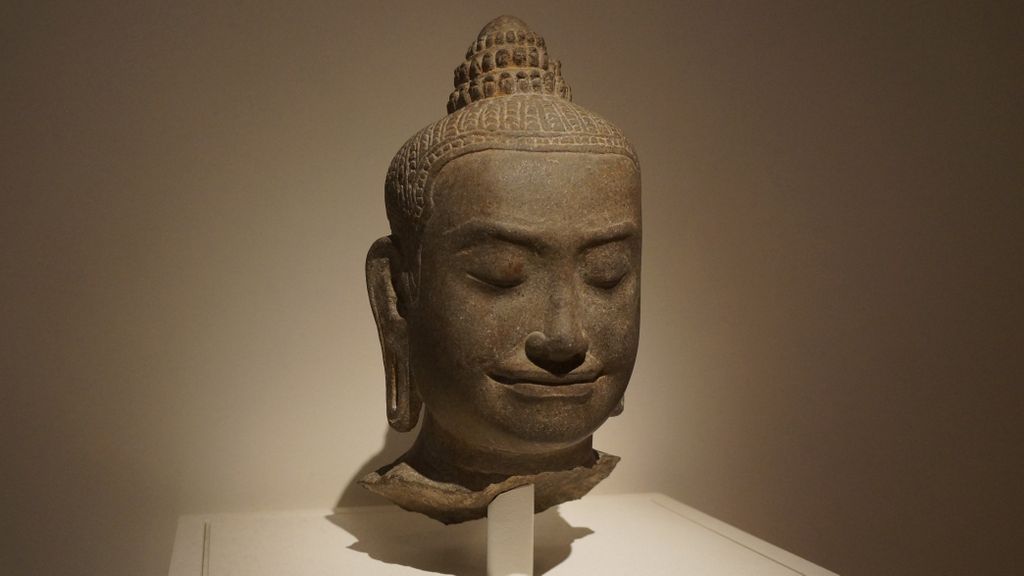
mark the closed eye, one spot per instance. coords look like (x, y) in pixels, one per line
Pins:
(606, 282)
(604, 266)
(497, 265)
(492, 281)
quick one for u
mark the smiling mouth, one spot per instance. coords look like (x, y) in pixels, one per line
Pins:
(539, 386)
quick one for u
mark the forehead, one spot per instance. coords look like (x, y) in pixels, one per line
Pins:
(541, 190)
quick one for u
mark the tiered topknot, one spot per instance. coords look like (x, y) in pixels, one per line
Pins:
(507, 58)
(508, 96)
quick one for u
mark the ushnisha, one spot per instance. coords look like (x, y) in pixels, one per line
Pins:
(507, 297)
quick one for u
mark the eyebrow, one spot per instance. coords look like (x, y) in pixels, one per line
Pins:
(476, 230)
(619, 232)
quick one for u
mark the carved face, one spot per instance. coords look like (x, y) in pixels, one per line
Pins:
(525, 329)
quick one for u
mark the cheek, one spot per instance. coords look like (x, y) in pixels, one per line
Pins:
(468, 327)
(612, 324)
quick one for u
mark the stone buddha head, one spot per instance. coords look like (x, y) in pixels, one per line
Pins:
(507, 297)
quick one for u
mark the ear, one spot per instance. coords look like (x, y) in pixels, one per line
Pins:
(620, 406)
(403, 401)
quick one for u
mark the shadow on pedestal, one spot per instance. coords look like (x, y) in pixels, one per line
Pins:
(458, 550)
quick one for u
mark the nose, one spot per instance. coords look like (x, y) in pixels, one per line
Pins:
(562, 346)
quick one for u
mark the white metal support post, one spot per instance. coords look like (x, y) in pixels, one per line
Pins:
(510, 533)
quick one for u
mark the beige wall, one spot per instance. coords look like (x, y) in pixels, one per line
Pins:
(831, 351)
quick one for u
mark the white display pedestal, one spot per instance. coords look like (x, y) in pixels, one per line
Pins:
(649, 534)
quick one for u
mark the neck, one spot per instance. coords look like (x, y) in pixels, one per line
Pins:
(444, 457)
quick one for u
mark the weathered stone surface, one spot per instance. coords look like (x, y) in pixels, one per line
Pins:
(452, 503)
(507, 297)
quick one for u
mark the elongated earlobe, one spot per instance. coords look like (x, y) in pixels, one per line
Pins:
(403, 401)
(620, 406)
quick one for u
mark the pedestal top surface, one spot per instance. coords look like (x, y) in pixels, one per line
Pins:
(649, 534)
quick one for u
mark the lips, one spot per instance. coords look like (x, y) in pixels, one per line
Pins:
(542, 385)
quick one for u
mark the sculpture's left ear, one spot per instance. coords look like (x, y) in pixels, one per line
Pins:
(403, 401)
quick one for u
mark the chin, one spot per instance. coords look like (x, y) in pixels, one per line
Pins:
(550, 424)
